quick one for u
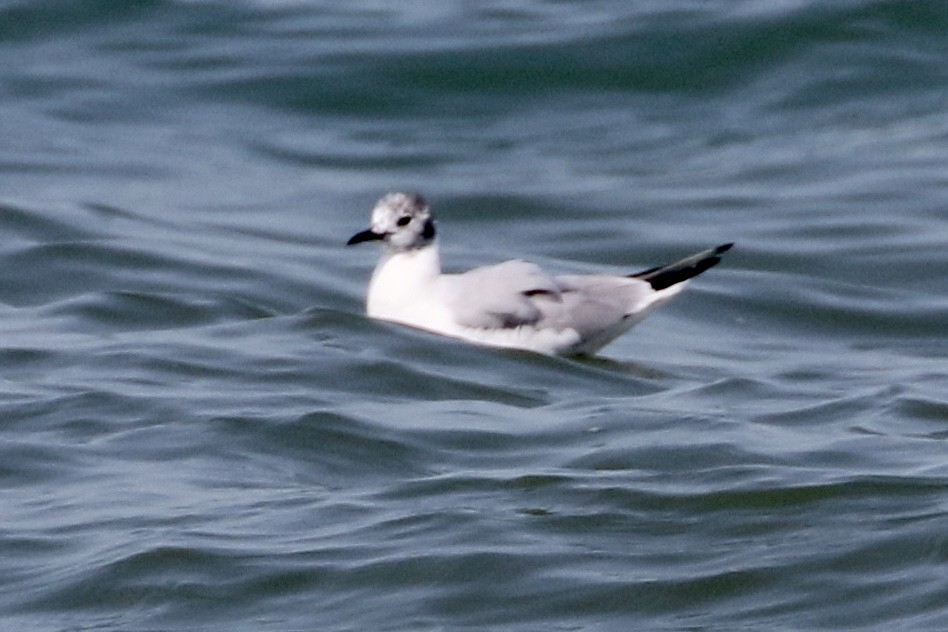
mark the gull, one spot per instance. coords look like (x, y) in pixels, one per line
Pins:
(513, 304)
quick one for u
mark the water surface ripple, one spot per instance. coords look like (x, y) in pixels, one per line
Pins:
(199, 429)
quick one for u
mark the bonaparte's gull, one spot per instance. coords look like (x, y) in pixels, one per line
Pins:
(510, 304)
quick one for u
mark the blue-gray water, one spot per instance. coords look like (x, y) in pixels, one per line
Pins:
(199, 430)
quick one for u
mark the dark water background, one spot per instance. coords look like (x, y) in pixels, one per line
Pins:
(199, 430)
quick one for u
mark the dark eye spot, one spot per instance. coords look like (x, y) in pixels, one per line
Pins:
(403, 221)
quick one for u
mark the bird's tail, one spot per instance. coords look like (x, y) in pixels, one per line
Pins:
(665, 276)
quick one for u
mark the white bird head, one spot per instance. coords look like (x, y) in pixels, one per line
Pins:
(401, 221)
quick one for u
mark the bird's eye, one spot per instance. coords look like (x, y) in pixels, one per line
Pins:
(403, 221)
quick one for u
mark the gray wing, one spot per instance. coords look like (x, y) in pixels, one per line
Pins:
(594, 308)
(598, 308)
(594, 305)
(508, 294)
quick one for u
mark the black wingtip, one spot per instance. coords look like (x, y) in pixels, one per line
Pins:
(666, 276)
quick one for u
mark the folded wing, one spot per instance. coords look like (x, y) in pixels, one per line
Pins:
(588, 310)
(505, 295)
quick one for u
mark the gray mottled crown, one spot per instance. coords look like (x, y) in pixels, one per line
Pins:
(401, 221)
(404, 219)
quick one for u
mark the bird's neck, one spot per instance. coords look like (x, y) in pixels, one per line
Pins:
(402, 277)
(422, 263)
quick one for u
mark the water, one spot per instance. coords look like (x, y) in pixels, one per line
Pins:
(199, 430)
